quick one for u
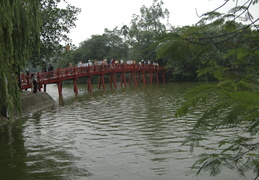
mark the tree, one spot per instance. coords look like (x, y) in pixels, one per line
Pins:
(182, 57)
(106, 46)
(118, 48)
(233, 101)
(56, 24)
(20, 24)
(144, 31)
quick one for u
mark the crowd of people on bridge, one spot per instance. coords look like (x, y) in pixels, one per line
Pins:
(113, 61)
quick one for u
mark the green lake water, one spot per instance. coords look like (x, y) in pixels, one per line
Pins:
(128, 134)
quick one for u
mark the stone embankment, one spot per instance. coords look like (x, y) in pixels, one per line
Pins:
(31, 103)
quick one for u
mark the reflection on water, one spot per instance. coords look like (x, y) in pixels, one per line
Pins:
(12, 153)
(127, 133)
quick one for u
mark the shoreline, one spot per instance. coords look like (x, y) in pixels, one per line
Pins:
(30, 103)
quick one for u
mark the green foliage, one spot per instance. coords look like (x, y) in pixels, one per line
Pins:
(184, 57)
(240, 155)
(20, 24)
(232, 103)
(56, 24)
(144, 30)
(225, 105)
(98, 47)
(228, 53)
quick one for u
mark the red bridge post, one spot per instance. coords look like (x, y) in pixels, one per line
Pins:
(59, 82)
(75, 86)
(89, 84)
(123, 79)
(157, 78)
(133, 76)
(101, 81)
(163, 74)
(143, 77)
(113, 80)
(150, 77)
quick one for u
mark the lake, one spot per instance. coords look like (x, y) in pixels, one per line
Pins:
(127, 133)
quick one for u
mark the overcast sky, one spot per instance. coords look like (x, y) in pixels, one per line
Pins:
(96, 15)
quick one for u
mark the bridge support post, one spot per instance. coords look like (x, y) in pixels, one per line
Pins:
(59, 83)
(89, 84)
(113, 80)
(143, 77)
(157, 78)
(123, 79)
(101, 81)
(133, 75)
(135, 80)
(150, 77)
(75, 86)
(139, 77)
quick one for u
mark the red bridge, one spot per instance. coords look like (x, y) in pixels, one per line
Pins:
(146, 72)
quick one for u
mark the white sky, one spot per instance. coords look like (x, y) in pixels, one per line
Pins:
(96, 15)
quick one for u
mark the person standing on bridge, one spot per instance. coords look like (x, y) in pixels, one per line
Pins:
(50, 70)
(90, 63)
(34, 83)
(113, 63)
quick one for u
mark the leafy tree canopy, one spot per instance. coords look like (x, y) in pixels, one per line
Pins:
(106, 46)
(145, 29)
(56, 24)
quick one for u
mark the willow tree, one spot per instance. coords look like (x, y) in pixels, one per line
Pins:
(20, 23)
